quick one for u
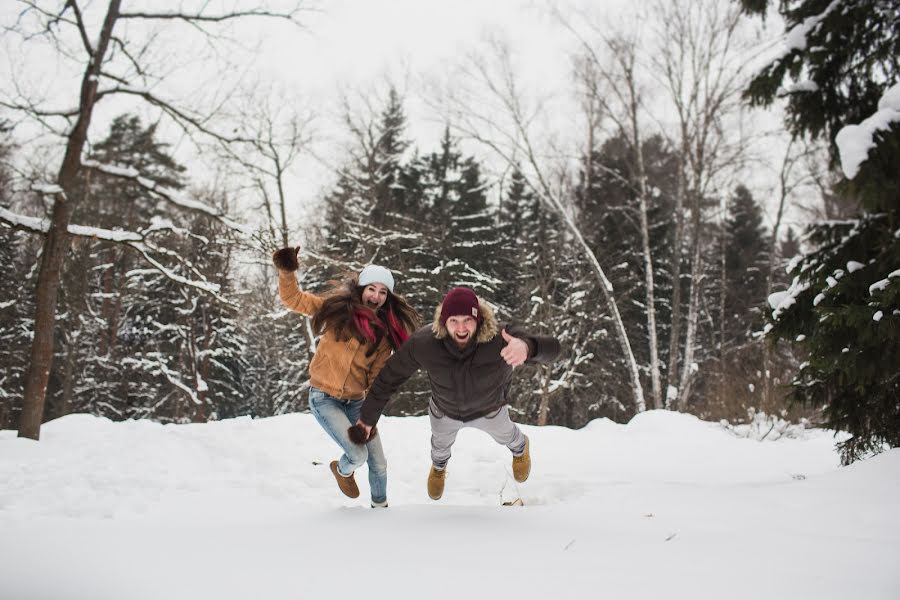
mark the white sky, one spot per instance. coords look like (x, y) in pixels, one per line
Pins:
(353, 48)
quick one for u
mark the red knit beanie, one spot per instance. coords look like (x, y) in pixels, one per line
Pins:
(460, 301)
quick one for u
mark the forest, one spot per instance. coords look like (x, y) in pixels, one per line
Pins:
(686, 260)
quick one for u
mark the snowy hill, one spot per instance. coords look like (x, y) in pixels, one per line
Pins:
(665, 506)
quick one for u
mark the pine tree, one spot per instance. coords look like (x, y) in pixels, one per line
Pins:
(16, 301)
(843, 305)
(746, 262)
(456, 198)
(277, 351)
(608, 209)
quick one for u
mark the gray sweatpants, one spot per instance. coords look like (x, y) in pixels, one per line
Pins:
(498, 425)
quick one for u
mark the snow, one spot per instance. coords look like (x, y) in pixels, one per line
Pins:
(854, 266)
(795, 39)
(43, 225)
(798, 87)
(48, 189)
(671, 393)
(855, 141)
(776, 298)
(664, 505)
(877, 316)
(879, 286)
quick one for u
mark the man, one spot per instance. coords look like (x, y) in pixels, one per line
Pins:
(469, 358)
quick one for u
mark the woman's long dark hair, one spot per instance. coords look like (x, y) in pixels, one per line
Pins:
(343, 312)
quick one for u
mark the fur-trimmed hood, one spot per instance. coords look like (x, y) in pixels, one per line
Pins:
(487, 331)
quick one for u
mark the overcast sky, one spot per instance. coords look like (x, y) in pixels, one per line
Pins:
(348, 47)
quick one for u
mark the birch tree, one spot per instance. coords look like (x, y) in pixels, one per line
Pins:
(110, 65)
(699, 61)
(613, 84)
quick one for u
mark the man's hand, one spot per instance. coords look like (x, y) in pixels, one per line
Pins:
(516, 350)
(361, 433)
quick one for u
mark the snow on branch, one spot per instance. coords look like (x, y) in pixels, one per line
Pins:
(797, 36)
(137, 241)
(174, 379)
(855, 141)
(36, 225)
(172, 196)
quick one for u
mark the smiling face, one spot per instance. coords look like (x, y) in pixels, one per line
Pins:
(462, 329)
(374, 295)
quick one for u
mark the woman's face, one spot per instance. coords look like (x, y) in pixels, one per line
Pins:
(374, 295)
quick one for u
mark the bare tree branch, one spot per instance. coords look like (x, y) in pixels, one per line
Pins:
(79, 22)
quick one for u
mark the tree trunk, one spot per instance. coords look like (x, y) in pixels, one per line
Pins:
(65, 405)
(687, 370)
(56, 242)
(675, 329)
(656, 384)
(606, 287)
(773, 258)
(544, 409)
(723, 288)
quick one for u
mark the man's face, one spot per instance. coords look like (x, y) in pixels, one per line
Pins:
(374, 295)
(462, 329)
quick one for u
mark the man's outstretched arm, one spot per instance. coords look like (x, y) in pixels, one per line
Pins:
(399, 367)
(541, 349)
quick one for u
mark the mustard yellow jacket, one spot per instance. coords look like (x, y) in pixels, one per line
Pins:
(340, 369)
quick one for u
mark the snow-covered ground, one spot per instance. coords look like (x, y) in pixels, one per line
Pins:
(665, 507)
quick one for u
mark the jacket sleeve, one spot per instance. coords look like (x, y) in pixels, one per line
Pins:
(399, 367)
(294, 298)
(542, 349)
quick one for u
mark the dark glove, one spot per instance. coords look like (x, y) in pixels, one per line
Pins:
(358, 434)
(286, 259)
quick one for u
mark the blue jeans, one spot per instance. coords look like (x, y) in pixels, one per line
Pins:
(336, 416)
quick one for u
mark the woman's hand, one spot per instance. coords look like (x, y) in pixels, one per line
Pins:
(286, 259)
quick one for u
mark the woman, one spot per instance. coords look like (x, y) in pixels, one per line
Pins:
(360, 322)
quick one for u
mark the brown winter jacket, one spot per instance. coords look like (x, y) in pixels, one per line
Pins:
(340, 369)
(466, 383)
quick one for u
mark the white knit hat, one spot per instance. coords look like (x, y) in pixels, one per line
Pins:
(376, 274)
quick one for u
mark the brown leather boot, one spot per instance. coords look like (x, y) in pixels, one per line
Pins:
(521, 465)
(436, 479)
(347, 484)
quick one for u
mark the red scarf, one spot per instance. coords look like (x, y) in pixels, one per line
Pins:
(366, 320)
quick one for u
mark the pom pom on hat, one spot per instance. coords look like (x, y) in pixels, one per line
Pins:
(460, 301)
(376, 274)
